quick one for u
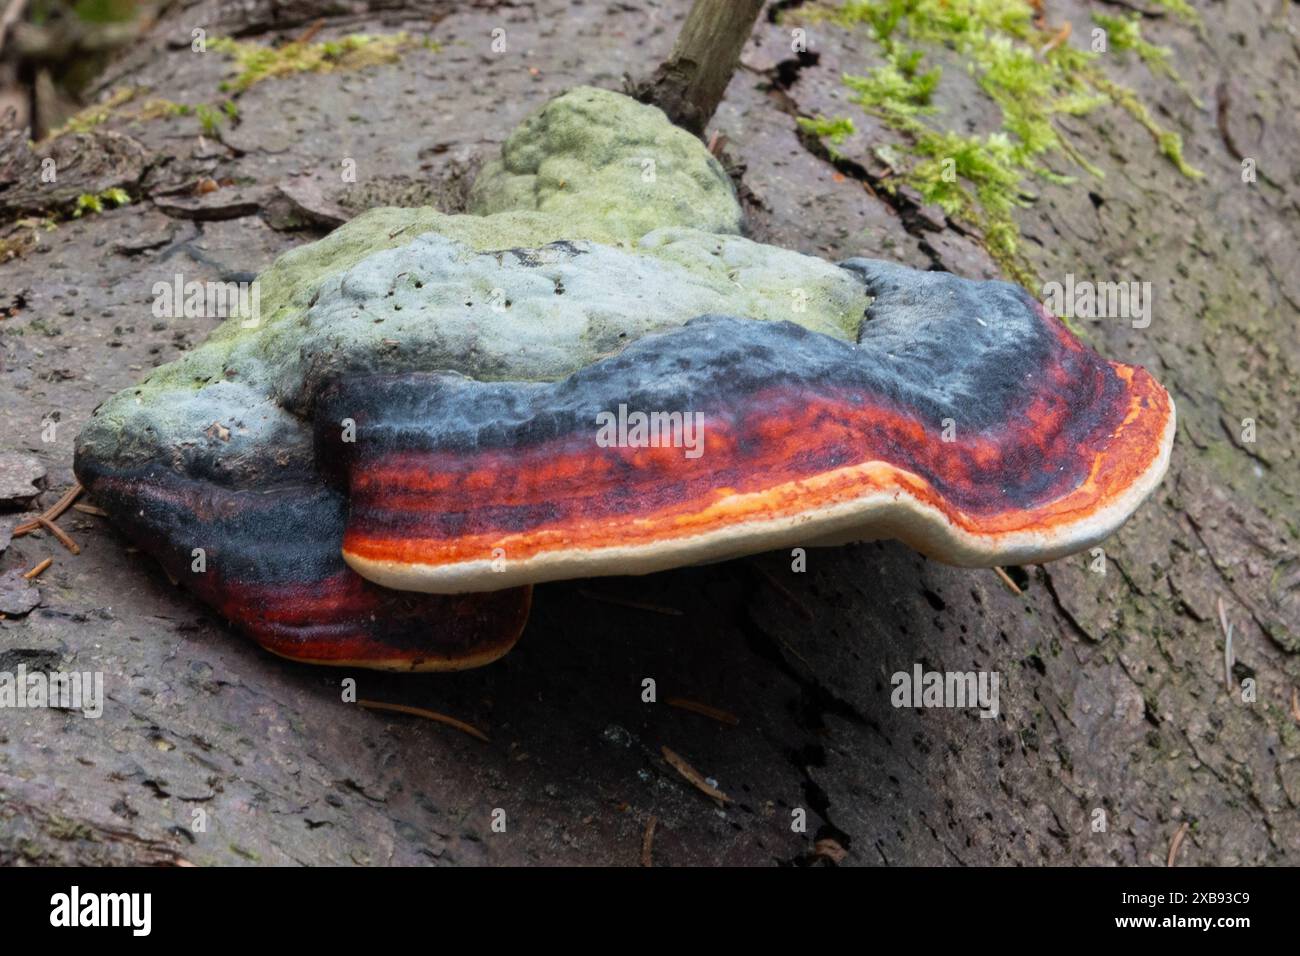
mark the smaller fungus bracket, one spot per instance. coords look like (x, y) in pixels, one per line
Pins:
(268, 561)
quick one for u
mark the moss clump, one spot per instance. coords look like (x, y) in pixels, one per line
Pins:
(1029, 71)
(834, 130)
(94, 203)
(257, 62)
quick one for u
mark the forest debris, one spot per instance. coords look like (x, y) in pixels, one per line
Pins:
(37, 571)
(310, 33)
(59, 533)
(648, 841)
(1057, 39)
(1176, 843)
(60, 506)
(704, 710)
(1228, 658)
(624, 602)
(89, 509)
(427, 715)
(829, 849)
(17, 595)
(784, 591)
(1295, 705)
(694, 777)
(1006, 579)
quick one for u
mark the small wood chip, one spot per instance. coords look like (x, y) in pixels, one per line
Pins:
(59, 533)
(89, 509)
(648, 841)
(1006, 579)
(1295, 704)
(695, 777)
(1176, 843)
(427, 715)
(829, 849)
(704, 710)
(36, 571)
(622, 602)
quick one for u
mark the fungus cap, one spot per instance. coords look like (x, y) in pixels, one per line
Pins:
(424, 397)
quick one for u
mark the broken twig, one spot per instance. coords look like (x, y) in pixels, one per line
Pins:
(59, 533)
(1006, 579)
(648, 841)
(1176, 843)
(695, 777)
(427, 715)
(704, 710)
(36, 572)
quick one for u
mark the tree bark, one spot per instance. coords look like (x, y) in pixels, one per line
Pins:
(690, 84)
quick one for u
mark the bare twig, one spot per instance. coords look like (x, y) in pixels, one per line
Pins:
(784, 591)
(427, 715)
(59, 533)
(689, 85)
(1006, 579)
(648, 841)
(695, 777)
(1228, 658)
(310, 33)
(60, 506)
(36, 572)
(623, 602)
(704, 710)
(1176, 843)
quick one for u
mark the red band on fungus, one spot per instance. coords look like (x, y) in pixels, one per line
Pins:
(1051, 451)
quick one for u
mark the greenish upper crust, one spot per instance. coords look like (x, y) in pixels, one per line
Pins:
(484, 294)
(611, 167)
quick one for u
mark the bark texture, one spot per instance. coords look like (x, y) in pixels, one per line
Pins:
(1113, 697)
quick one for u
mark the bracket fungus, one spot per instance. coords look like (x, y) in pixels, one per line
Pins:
(594, 373)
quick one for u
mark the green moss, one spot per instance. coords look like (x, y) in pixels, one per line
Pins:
(209, 118)
(94, 115)
(835, 130)
(1029, 73)
(257, 62)
(94, 203)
